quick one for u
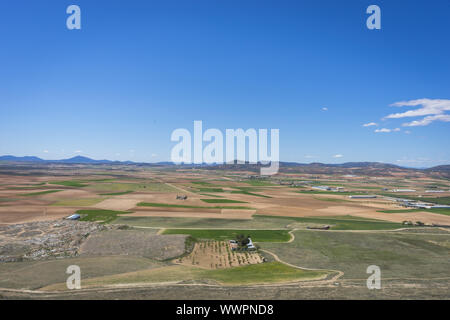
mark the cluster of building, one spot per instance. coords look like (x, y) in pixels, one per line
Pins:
(327, 188)
(362, 196)
(403, 190)
(234, 245)
(419, 205)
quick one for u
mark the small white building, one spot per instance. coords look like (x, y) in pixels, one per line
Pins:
(250, 244)
(75, 216)
(362, 196)
(322, 188)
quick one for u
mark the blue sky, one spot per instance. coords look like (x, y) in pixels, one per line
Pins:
(137, 70)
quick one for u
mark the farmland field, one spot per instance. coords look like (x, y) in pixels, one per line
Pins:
(221, 234)
(398, 255)
(315, 239)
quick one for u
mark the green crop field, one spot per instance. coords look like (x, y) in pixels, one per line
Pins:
(8, 199)
(167, 205)
(445, 211)
(221, 201)
(211, 195)
(125, 187)
(349, 223)
(399, 211)
(37, 186)
(210, 190)
(116, 193)
(261, 222)
(249, 191)
(259, 183)
(220, 234)
(69, 183)
(39, 193)
(346, 193)
(171, 222)
(202, 183)
(104, 216)
(78, 202)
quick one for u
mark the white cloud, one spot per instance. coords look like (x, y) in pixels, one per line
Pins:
(78, 151)
(408, 132)
(370, 124)
(427, 120)
(433, 109)
(324, 109)
(45, 151)
(154, 155)
(387, 130)
(338, 156)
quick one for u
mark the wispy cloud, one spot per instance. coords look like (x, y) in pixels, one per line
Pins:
(78, 151)
(338, 156)
(432, 109)
(324, 109)
(427, 120)
(386, 130)
(370, 124)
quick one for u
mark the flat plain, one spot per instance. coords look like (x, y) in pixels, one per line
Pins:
(310, 243)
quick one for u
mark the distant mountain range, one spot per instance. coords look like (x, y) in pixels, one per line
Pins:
(74, 160)
(77, 159)
(86, 160)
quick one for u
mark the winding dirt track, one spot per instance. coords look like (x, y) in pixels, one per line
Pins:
(333, 279)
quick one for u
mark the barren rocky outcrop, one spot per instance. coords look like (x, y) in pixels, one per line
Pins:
(44, 239)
